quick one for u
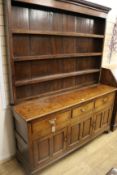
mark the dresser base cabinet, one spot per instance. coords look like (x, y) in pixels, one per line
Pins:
(43, 139)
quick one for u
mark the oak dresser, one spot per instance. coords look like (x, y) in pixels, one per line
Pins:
(55, 50)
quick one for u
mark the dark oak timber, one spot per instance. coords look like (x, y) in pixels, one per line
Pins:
(55, 52)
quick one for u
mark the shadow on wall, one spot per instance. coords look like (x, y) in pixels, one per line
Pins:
(7, 143)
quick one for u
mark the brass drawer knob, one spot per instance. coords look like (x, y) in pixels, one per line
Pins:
(52, 122)
(82, 110)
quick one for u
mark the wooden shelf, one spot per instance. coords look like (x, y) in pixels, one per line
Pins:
(54, 77)
(55, 33)
(62, 91)
(57, 56)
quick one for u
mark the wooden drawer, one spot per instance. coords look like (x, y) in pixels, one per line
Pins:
(104, 101)
(83, 109)
(50, 125)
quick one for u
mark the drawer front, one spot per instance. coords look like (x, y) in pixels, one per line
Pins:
(83, 109)
(104, 101)
(50, 125)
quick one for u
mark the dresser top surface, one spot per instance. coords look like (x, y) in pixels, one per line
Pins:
(37, 108)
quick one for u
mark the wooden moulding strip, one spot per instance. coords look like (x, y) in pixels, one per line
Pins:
(57, 56)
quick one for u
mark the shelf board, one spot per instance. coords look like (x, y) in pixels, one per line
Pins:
(62, 91)
(54, 77)
(55, 33)
(57, 56)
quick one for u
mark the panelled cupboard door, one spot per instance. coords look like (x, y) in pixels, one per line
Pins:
(49, 147)
(102, 120)
(107, 117)
(59, 140)
(79, 131)
(74, 134)
(86, 131)
(42, 150)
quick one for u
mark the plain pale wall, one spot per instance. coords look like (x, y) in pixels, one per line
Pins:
(7, 145)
